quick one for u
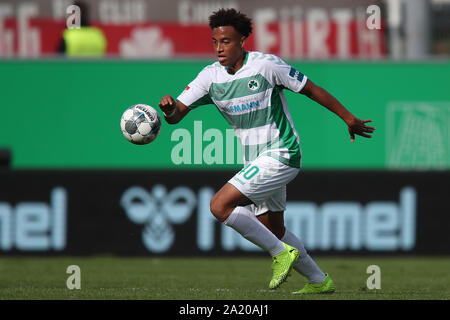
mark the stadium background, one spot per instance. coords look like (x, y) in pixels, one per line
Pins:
(70, 184)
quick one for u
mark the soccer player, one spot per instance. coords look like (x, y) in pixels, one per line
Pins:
(247, 89)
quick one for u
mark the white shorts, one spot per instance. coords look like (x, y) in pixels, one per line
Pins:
(264, 182)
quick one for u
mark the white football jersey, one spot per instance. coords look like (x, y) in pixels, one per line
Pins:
(253, 103)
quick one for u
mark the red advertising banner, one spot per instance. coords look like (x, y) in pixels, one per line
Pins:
(297, 31)
(40, 37)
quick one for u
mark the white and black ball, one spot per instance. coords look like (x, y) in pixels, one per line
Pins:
(140, 124)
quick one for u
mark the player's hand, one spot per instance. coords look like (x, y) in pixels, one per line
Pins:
(167, 104)
(359, 127)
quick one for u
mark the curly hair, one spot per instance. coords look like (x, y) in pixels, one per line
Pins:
(231, 17)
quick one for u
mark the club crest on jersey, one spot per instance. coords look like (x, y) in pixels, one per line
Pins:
(253, 84)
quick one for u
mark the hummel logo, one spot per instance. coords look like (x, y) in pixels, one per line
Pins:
(157, 214)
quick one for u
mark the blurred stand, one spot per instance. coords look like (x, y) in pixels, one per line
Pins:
(409, 25)
(394, 26)
(153, 29)
(418, 29)
(85, 41)
(5, 158)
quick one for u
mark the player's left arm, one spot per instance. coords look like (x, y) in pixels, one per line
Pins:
(355, 125)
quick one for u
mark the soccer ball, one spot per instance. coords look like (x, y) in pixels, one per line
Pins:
(140, 124)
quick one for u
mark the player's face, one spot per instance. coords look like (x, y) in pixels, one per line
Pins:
(229, 45)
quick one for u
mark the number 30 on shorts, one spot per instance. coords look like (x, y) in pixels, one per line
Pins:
(249, 171)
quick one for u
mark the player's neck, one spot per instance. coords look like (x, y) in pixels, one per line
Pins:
(239, 63)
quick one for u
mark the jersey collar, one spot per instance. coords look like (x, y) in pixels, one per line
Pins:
(243, 65)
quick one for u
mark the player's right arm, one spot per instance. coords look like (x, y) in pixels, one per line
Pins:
(174, 111)
(194, 95)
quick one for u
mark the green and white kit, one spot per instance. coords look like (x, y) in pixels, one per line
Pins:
(253, 103)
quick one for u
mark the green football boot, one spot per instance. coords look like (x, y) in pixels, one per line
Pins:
(326, 286)
(282, 265)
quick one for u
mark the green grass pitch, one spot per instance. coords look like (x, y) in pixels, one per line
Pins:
(104, 278)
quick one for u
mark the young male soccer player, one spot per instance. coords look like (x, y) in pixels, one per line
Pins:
(247, 88)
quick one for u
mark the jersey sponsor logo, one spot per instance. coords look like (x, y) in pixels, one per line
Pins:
(293, 73)
(244, 106)
(253, 84)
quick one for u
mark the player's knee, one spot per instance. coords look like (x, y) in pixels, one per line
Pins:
(218, 209)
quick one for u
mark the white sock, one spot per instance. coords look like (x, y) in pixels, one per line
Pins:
(305, 264)
(244, 221)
